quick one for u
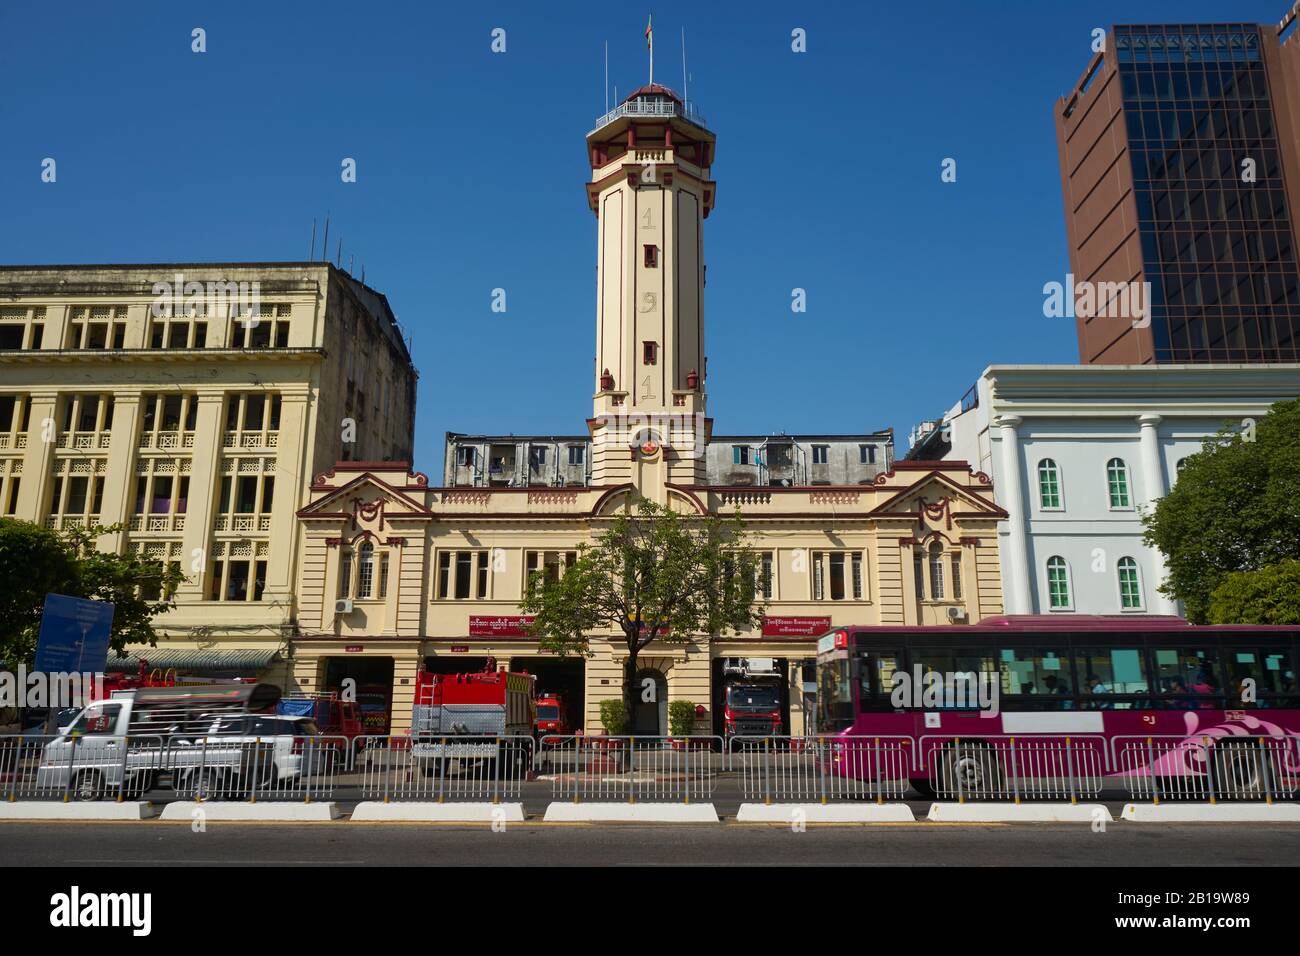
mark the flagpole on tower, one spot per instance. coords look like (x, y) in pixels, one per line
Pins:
(685, 98)
(650, 42)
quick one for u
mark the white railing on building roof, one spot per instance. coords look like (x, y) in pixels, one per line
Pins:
(652, 107)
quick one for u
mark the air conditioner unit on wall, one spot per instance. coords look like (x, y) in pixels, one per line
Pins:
(343, 606)
(956, 613)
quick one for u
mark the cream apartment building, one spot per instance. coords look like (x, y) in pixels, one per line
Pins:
(190, 403)
(398, 574)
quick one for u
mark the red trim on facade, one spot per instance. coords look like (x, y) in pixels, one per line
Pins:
(309, 511)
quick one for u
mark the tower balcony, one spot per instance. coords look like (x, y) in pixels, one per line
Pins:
(651, 108)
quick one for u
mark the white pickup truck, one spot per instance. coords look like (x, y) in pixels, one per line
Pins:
(128, 743)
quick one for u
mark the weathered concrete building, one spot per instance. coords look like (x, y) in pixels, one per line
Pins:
(191, 403)
(776, 460)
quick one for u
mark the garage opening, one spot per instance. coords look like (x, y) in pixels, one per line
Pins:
(372, 679)
(721, 677)
(566, 676)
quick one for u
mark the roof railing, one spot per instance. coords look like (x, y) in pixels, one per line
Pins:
(657, 107)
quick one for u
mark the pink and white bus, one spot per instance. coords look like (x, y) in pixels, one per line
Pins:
(1135, 697)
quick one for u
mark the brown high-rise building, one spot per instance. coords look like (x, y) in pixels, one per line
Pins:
(1180, 165)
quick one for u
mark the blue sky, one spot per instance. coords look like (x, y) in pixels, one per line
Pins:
(471, 168)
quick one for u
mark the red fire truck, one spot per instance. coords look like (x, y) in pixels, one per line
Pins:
(460, 716)
(752, 701)
(552, 717)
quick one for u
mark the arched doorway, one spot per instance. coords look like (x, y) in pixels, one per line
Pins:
(650, 718)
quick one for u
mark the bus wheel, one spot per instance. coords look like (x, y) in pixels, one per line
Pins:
(972, 770)
(1238, 770)
(85, 786)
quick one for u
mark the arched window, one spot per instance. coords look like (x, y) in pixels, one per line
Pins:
(1182, 463)
(345, 573)
(366, 571)
(918, 572)
(1117, 483)
(1049, 484)
(1130, 585)
(1058, 583)
(936, 571)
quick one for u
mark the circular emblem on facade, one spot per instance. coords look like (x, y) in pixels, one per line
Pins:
(649, 448)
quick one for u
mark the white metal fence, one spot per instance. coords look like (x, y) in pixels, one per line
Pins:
(442, 769)
(1209, 768)
(650, 769)
(164, 768)
(820, 769)
(1015, 768)
(630, 769)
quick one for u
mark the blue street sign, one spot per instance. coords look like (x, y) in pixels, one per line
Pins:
(74, 635)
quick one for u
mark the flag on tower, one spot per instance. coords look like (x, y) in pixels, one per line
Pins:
(650, 45)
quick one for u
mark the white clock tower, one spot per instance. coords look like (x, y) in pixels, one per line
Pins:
(651, 192)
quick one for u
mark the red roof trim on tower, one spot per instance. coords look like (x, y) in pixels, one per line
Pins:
(653, 89)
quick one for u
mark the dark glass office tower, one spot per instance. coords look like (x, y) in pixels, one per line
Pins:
(1179, 168)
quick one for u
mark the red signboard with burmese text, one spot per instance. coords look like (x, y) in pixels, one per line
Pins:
(503, 625)
(795, 626)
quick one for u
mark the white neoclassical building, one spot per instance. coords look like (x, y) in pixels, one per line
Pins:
(1077, 453)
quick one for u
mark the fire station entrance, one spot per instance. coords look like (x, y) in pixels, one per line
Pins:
(721, 676)
(650, 704)
(373, 682)
(566, 676)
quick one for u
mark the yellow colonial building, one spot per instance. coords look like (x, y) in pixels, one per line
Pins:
(191, 404)
(397, 575)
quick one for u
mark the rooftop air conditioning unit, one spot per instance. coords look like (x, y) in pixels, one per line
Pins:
(343, 606)
(956, 613)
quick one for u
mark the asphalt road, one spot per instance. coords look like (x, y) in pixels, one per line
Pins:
(340, 843)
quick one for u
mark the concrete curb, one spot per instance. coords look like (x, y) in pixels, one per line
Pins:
(631, 813)
(76, 810)
(825, 813)
(1018, 813)
(372, 811)
(270, 811)
(1211, 813)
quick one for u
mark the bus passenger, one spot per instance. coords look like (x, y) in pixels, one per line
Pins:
(1057, 688)
(1205, 687)
(1178, 694)
(1097, 687)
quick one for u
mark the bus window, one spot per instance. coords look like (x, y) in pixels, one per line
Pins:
(1188, 671)
(961, 669)
(834, 696)
(1107, 672)
(876, 669)
(1044, 673)
(1269, 668)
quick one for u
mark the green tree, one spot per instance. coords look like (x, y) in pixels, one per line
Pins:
(651, 576)
(1268, 596)
(36, 561)
(1233, 508)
